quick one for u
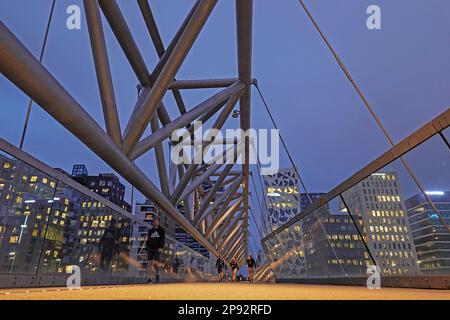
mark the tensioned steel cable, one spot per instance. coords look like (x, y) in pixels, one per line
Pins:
(257, 224)
(371, 111)
(263, 218)
(41, 55)
(282, 141)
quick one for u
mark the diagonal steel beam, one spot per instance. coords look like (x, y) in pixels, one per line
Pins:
(191, 170)
(227, 226)
(141, 116)
(227, 154)
(213, 191)
(176, 38)
(239, 254)
(119, 26)
(225, 196)
(182, 189)
(152, 28)
(103, 70)
(197, 181)
(165, 132)
(160, 160)
(20, 66)
(236, 249)
(123, 34)
(222, 216)
(233, 245)
(233, 232)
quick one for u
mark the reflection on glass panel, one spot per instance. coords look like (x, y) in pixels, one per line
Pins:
(344, 239)
(312, 258)
(26, 200)
(285, 253)
(47, 227)
(446, 134)
(429, 213)
(84, 232)
(325, 252)
(297, 252)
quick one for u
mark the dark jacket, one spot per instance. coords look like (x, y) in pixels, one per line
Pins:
(156, 238)
(251, 263)
(109, 239)
(234, 266)
(219, 264)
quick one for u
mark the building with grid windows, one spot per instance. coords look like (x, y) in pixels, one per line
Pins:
(431, 238)
(377, 204)
(107, 185)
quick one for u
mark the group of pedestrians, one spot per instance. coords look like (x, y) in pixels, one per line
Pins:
(220, 266)
(153, 246)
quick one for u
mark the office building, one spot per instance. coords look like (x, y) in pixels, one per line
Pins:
(431, 237)
(282, 196)
(107, 185)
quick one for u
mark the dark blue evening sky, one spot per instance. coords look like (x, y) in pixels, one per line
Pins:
(404, 70)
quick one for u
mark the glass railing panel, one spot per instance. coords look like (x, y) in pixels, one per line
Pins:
(429, 213)
(310, 257)
(286, 255)
(296, 253)
(321, 244)
(26, 201)
(446, 134)
(84, 232)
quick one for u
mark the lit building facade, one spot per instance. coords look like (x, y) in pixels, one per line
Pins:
(107, 185)
(431, 238)
(378, 205)
(282, 196)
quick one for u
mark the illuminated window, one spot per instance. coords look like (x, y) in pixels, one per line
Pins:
(7, 165)
(33, 179)
(14, 239)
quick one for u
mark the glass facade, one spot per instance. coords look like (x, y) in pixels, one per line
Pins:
(47, 227)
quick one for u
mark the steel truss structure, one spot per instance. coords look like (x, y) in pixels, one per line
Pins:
(216, 216)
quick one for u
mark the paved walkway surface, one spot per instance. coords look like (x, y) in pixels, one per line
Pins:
(225, 291)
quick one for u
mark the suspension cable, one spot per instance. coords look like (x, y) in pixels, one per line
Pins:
(282, 140)
(371, 111)
(41, 55)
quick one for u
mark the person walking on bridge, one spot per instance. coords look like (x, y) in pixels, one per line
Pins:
(251, 265)
(154, 245)
(234, 269)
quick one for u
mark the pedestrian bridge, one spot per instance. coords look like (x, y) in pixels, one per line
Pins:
(386, 225)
